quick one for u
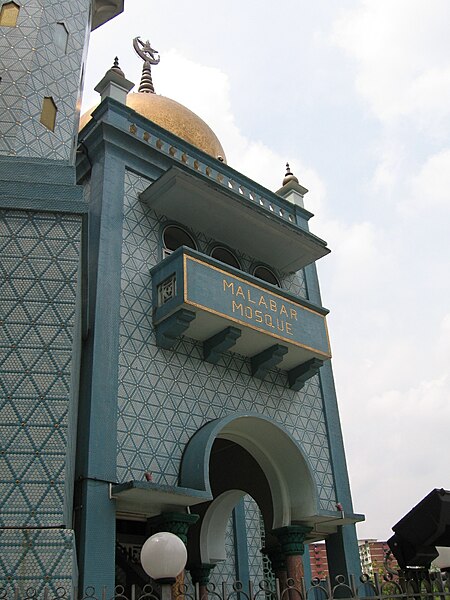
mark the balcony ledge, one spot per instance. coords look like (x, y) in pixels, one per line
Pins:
(233, 219)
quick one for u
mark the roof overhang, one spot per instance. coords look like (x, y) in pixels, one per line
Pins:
(104, 10)
(233, 220)
(148, 499)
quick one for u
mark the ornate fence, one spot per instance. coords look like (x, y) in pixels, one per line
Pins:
(422, 586)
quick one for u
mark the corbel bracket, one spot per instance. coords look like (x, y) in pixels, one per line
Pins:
(265, 360)
(219, 343)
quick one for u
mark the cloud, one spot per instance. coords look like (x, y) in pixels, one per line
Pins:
(400, 50)
(407, 434)
(430, 186)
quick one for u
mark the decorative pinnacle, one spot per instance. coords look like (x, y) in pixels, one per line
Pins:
(116, 67)
(289, 176)
(150, 57)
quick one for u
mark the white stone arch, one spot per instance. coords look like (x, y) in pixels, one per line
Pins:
(287, 470)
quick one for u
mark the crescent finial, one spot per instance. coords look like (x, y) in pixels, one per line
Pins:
(145, 51)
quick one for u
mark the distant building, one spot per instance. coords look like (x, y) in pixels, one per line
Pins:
(318, 560)
(371, 553)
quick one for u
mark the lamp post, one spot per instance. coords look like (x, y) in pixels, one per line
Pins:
(163, 557)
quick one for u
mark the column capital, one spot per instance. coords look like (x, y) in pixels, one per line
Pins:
(292, 538)
(173, 522)
(201, 573)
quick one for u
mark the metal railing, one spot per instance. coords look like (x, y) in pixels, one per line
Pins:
(431, 586)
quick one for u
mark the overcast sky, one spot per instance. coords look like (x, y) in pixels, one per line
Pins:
(356, 96)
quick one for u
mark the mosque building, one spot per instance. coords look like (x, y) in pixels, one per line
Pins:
(164, 350)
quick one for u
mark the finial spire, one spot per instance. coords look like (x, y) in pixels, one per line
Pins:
(289, 175)
(116, 67)
(150, 57)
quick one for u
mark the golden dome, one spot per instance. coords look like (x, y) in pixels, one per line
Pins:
(174, 117)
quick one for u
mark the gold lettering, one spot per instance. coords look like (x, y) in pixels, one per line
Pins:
(262, 301)
(228, 285)
(258, 316)
(268, 320)
(248, 312)
(237, 307)
(283, 310)
(293, 314)
(273, 305)
(280, 324)
(289, 329)
(239, 292)
(249, 299)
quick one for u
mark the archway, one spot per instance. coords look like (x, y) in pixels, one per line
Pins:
(245, 454)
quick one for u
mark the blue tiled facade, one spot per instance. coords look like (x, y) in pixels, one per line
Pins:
(40, 316)
(165, 396)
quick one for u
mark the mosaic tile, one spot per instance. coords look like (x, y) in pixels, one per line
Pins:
(39, 278)
(36, 558)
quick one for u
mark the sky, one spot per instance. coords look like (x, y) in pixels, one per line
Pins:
(356, 96)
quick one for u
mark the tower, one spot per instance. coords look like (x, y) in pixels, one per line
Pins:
(42, 50)
(207, 374)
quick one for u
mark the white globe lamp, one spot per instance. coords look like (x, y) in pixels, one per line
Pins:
(163, 557)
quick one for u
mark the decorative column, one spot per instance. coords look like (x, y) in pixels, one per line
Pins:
(278, 562)
(200, 574)
(292, 544)
(177, 523)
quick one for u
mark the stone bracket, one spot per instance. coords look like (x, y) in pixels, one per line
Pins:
(265, 360)
(169, 330)
(298, 376)
(219, 343)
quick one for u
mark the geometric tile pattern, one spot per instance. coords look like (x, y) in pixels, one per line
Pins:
(33, 66)
(255, 530)
(37, 558)
(38, 287)
(165, 396)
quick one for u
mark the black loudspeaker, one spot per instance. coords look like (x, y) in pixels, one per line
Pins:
(408, 555)
(426, 526)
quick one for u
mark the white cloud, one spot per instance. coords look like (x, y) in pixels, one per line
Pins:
(407, 433)
(401, 56)
(430, 187)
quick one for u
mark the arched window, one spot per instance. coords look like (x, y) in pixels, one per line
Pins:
(225, 256)
(266, 274)
(8, 14)
(174, 237)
